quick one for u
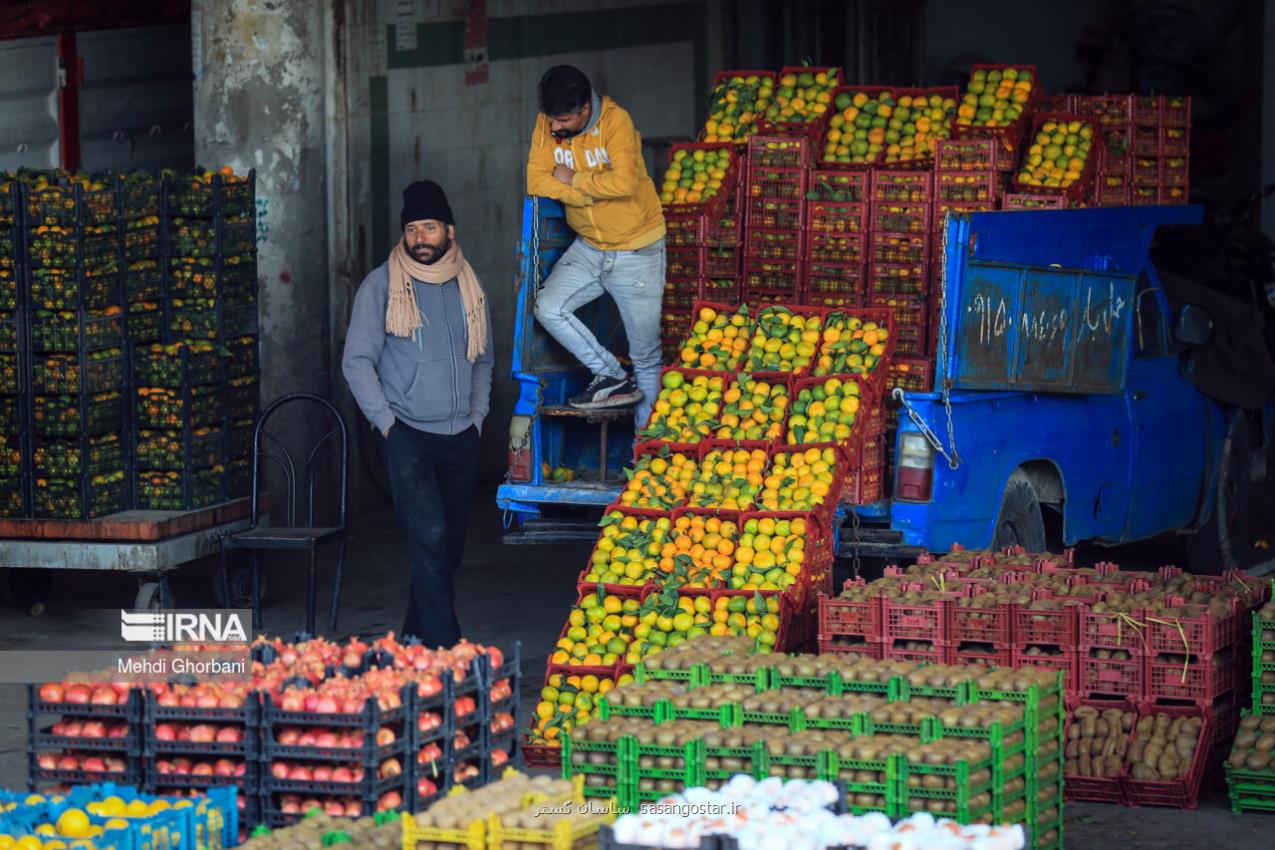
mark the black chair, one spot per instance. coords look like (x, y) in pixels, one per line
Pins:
(292, 536)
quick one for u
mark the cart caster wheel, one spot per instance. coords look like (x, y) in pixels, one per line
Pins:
(240, 587)
(26, 589)
(150, 598)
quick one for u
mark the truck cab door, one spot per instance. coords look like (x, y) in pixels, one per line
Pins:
(1168, 418)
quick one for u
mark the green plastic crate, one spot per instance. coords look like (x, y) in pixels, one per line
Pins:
(757, 756)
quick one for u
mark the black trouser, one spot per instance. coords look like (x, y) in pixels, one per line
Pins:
(432, 479)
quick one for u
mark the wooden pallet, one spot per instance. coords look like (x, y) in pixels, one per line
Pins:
(139, 526)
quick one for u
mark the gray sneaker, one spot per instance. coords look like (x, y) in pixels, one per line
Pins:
(604, 392)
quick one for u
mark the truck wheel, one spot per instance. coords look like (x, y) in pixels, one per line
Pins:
(1020, 522)
(1221, 542)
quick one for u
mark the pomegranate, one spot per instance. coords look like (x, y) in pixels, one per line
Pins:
(229, 735)
(46, 761)
(385, 736)
(389, 801)
(353, 809)
(93, 729)
(225, 767)
(68, 763)
(93, 764)
(342, 774)
(322, 773)
(78, 694)
(51, 692)
(279, 770)
(300, 773)
(203, 768)
(390, 767)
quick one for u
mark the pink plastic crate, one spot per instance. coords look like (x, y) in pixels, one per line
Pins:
(1111, 631)
(967, 187)
(775, 214)
(765, 244)
(1199, 682)
(1055, 628)
(902, 248)
(766, 151)
(834, 278)
(904, 187)
(899, 278)
(1181, 793)
(900, 217)
(836, 217)
(852, 184)
(920, 621)
(1065, 662)
(846, 617)
(980, 625)
(934, 653)
(835, 248)
(1109, 677)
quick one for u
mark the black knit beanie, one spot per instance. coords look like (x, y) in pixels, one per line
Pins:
(424, 199)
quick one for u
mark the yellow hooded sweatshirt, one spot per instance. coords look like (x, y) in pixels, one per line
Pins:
(611, 202)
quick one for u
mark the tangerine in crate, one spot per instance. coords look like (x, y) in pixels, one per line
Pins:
(802, 97)
(598, 631)
(784, 340)
(686, 409)
(872, 125)
(738, 100)
(660, 479)
(748, 615)
(754, 408)
(771, 554)
(567, 700)
(824, 412)
(718, 339)
(699, 550)
(799, 480)
(729, 478)
(995, 97)
(625, 553)
(695, 175)
(1058, 155)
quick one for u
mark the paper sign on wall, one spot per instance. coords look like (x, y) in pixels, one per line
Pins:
(477, 68)
(404, 25)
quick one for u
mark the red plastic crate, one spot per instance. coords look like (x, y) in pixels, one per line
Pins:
(912, 374)
(720, 288)
(1081, 186)
(1091, 789)
(834, 278)
(1111, 631)
(764, 244)
(836, 217)
(911, 342)
(771, 151)
(684, 230)
(684, 263)
(1056, 628)
(1108, 677)
(902, 248)
(757, 297)
(917, 621)
(941, 210)
(811, 130)
(1181, 793)
(1030, 201)
(1174, 171)
(1143, 196)
(898, 279)
(722, 77)
(904, 187)
(908, 310)
(777, 276)
(976, 653)
(852, 184)
(953, 156)
(980, 625)
(1113, 164)
(1109, 110)
(897, 93)
(540, 756)
(1147, 109)
(1145, 141)
(839, 646)
(1010, 135)
(774, 184)
(1175, 111)
(1200, 682)
(1175, 141)
(865, 484)
(935, 653)
(898, 217)
(1146, 171)
(714, 206)
(1056, 103)
(967, 187)
(1065, 662)
(835, 248)
(775, 215)
(1172, 195)
(832, 300)
(1198, 637)
(721, 262)
(846, 617)
(1107, 195)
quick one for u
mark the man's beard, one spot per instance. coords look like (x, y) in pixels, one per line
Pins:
(430, 254)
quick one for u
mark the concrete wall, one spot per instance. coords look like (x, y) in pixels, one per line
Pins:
(412, 114)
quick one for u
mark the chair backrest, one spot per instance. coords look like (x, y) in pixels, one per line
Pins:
(267, 446)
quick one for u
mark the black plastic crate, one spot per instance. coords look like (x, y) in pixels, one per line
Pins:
(141, 239)
(11, 378)
(192, 237)
(78, 456)
(156, 782)
(80, 498)
(94, 247)
(240, 356)
(74, 289)
(509, 671)
(370, 719)
(242, 398)
(69, 414)
(236, 235)
(247, 716)
(207, 318)
(231, 279)
(11, 331)
(145, 322)
(38, 778)
(204, 194)
(239, 438)
(9, 289)
(10, 246)
(45, 737)
(178, 364)
(144, 280)
(10, 201)
(14, 497)
(506, 742)
(170, 408)
(77, 330)
(12, 452)
(184, 490)
(92, 371)
(79, 201)
(188, 448)
(140, 193)
(13, 418)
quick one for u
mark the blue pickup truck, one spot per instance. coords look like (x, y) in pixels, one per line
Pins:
(1065, 409)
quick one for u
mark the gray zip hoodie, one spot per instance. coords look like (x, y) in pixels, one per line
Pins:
(426, 382)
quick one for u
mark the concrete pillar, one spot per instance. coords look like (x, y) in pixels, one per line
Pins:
(259, 103)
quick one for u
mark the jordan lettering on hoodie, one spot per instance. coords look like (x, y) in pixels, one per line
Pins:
(594, 158)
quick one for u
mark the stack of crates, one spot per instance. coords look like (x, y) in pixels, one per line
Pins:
(140, 194)
(1160, 147)
(774, 201)
(76, 348)
(1113, 114)
(13, 491)
(901, 253)
(1251, 784)
(702, 242)
(836, 230)
(200, 408)
(969, 176)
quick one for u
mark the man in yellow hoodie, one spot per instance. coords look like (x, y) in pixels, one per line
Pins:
(586, 153)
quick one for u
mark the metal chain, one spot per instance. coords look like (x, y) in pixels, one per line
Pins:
(921, 426)
(854, 522)
(953, 460)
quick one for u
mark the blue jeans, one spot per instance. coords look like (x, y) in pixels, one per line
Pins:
(635, 281)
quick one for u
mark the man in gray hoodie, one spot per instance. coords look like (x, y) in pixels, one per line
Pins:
(418, 359)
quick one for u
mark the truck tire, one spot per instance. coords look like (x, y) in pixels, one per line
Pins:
(1223, 540)
(1020, 522)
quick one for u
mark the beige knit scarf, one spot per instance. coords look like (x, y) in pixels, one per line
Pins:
(403, 316)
